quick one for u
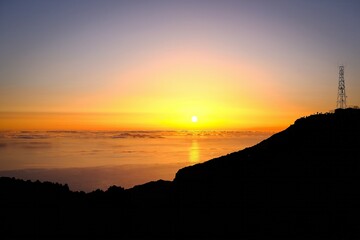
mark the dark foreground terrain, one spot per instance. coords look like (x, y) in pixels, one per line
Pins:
(301, 183)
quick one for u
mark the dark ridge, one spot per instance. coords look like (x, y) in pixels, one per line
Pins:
(301, 183)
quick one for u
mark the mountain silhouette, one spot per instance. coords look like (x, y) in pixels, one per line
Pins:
(301, 183)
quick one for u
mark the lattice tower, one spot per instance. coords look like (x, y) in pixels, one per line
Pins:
(341, 97)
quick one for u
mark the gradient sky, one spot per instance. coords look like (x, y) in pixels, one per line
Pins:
(140, 65)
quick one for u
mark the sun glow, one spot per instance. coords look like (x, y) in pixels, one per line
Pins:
(163, 94)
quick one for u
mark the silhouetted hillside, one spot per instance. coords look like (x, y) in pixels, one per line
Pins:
(301, 183)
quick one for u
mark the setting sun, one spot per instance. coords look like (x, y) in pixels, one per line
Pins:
(194, 119)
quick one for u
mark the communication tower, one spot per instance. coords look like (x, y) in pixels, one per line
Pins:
(341, 97)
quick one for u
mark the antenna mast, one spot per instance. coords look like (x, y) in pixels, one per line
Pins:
(341, 97)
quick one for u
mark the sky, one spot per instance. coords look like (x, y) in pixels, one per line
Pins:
(153, 65)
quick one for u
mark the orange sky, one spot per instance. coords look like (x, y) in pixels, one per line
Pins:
(234, 65)
(225, 94)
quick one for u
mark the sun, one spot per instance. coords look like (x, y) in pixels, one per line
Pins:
(194, 119)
